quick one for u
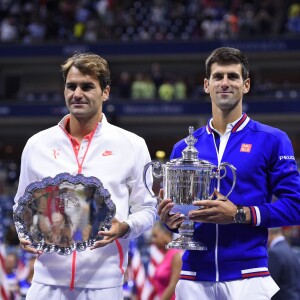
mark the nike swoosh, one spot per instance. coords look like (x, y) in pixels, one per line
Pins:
(107, 153)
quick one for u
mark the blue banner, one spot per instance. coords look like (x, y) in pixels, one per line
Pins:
(152, 109)
(147, 48)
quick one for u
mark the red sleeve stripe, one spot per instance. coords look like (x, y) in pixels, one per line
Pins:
(253, 216)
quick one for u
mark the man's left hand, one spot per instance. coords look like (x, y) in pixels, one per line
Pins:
(218, 211)
(117, 230)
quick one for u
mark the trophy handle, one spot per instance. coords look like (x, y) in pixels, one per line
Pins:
(156, 166)
(233, 170)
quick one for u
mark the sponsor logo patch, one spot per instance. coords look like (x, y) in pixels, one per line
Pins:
(286, 157)
(246, 148)
(107, 153)
(55, 153)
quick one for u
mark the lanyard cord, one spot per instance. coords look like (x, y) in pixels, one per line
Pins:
(80, 165)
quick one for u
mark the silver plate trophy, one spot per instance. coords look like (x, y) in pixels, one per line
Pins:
(64, 213)
(186, 180)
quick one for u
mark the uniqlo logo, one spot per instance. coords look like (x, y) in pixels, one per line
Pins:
(246, 148)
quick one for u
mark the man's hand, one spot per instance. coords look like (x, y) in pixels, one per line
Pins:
(117, 230)
(173, 221)
(218, 211)
(26, 245)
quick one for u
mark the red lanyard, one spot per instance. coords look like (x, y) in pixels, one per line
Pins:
(76, 148)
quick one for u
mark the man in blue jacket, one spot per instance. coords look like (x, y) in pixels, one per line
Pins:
(235, 231)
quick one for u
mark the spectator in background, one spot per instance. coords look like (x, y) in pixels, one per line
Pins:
(11, 263)
(166, 91)
(149, 88)
(264, 20)
(9, 30)
(293, 23)
(35, 30)
(124, 85)
(137, 86)
(292, 235)
(82, 16)
(246, 20)
(143, 87)
(91, 30)
(284, 266)
(25, 283)
(168, 271)
(11, 239)
(157, 76)
(180, 90)
(79, 30)
(232, 24)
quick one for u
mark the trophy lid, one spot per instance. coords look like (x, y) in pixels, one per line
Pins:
(190, 153)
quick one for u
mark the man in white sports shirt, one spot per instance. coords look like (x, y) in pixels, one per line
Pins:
(84, 142)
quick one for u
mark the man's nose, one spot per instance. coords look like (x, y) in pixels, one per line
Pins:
(78, 92)
(224, 82)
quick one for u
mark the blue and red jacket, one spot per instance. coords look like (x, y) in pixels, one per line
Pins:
(266, 167)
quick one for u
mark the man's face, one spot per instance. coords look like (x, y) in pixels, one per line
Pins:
(226, 86)
(84, 96)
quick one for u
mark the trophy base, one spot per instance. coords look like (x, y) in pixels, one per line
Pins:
(186, 243)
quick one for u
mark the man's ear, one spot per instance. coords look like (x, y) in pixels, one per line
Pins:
(106, 92)
(206, 86)
(246, 88)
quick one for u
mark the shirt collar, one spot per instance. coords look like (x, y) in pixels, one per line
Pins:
(64, 121)
(235, 126)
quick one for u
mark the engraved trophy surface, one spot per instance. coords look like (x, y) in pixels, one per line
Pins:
(64, 213)
(186, 180)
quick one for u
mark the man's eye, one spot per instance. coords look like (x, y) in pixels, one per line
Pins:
(218, 77)
(86, 87)
(71, 87)
(233, 76)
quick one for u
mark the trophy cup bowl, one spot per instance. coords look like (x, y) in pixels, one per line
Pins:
(186, 180)
(64, 213)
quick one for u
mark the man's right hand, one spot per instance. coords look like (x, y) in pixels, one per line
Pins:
(173, 221)
(26, 245)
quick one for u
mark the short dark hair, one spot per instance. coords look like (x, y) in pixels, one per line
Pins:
(89, 64)
(227, 56)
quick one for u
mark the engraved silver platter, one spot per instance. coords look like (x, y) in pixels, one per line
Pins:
(64, 214)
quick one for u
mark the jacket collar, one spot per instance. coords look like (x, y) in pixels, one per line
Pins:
(235, 126)
(98, 131)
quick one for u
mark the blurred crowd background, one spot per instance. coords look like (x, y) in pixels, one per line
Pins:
(30, 21)
(156, 51)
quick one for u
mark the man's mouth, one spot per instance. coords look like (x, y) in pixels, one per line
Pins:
(225, 93)
(78, 103)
